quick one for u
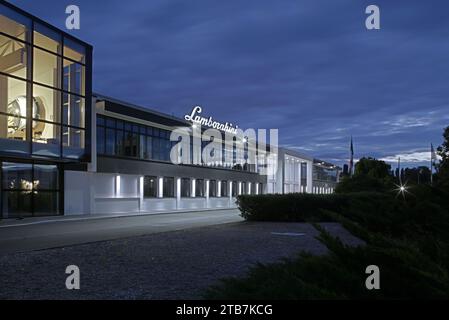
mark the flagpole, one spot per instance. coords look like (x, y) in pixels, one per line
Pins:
(431, 164)
(399, 171)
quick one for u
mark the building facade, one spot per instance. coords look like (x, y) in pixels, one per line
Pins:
(67, 151)
(45, 104)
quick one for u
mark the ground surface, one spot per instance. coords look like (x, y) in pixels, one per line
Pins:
(50, 232)
(170, 265)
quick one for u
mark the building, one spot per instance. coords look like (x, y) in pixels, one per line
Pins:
(325, 177)
(67, 151)
(45, 112)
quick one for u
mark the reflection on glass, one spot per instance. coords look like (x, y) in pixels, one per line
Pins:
(212, 188)
(45, 69)
(16, 175)
(13, 57)
(74, 110)
(150, 187)
(199, 188)
(234, 188)
(185, 187)
(47, 177)
(74, 75)
(73, 142)
(224, 188)
(29, 190)
(110, 141)
(169, 187)
(46, 203)
(101, 148)
(16, 204)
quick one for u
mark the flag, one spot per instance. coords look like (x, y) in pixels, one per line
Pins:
(433, 158)
(351, 162)
(433, 154)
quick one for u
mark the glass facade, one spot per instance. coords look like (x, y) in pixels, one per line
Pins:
(235, 189)
(126, 139)
(185, 188)
(120, 138)
(29, 190)
(324, 174)
(45, 100)
(150, 187)
(212, 188)
(224, 188)
(45, 89)
(168, 187)
(199, 188)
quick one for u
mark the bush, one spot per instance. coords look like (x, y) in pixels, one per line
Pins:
(303, 207)
(365, 183)
(407, 238)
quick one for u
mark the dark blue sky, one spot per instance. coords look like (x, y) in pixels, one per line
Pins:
(307, 67)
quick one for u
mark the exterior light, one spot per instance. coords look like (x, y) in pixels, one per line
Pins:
(402, 189)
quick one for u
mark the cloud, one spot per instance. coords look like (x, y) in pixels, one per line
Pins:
(415, 156)
(309, 68)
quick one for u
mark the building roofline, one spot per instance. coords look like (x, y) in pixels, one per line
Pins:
(45, 23)
(101, 97)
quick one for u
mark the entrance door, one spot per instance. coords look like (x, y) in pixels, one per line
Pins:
(29, 190)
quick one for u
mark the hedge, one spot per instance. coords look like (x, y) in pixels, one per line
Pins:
(301, 207)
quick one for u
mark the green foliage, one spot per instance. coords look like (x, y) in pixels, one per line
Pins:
(407, 238)
(373, 168)
(370, 175)
(303, 207)
(359, 183)
(443, 167)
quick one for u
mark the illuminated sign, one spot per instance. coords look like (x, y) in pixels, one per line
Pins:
(195, 117)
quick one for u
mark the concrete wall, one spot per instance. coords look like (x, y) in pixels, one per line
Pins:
(103, 193)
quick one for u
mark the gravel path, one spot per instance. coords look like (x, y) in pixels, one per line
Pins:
(171, 265)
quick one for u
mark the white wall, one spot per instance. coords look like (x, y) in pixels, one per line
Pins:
(77, 188)
(103, 193)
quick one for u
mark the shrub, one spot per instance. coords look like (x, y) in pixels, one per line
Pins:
(407, 238)
(304, 207)
(365, 183)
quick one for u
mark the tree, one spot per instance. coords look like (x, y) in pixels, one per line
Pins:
(370, 175)
(419, 175)
(443, 167)
(373, 168)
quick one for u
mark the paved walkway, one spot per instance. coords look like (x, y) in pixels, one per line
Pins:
(44, 233)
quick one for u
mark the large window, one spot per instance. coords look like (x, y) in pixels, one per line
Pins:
(29, 190)
(244, 188)
(212, 188)
(304, 174)
(185, 188)
(43, 108)
(127, 139)
(224, 188)
(169, 187)
(199, 188)
(235, 188)
(150, 184)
